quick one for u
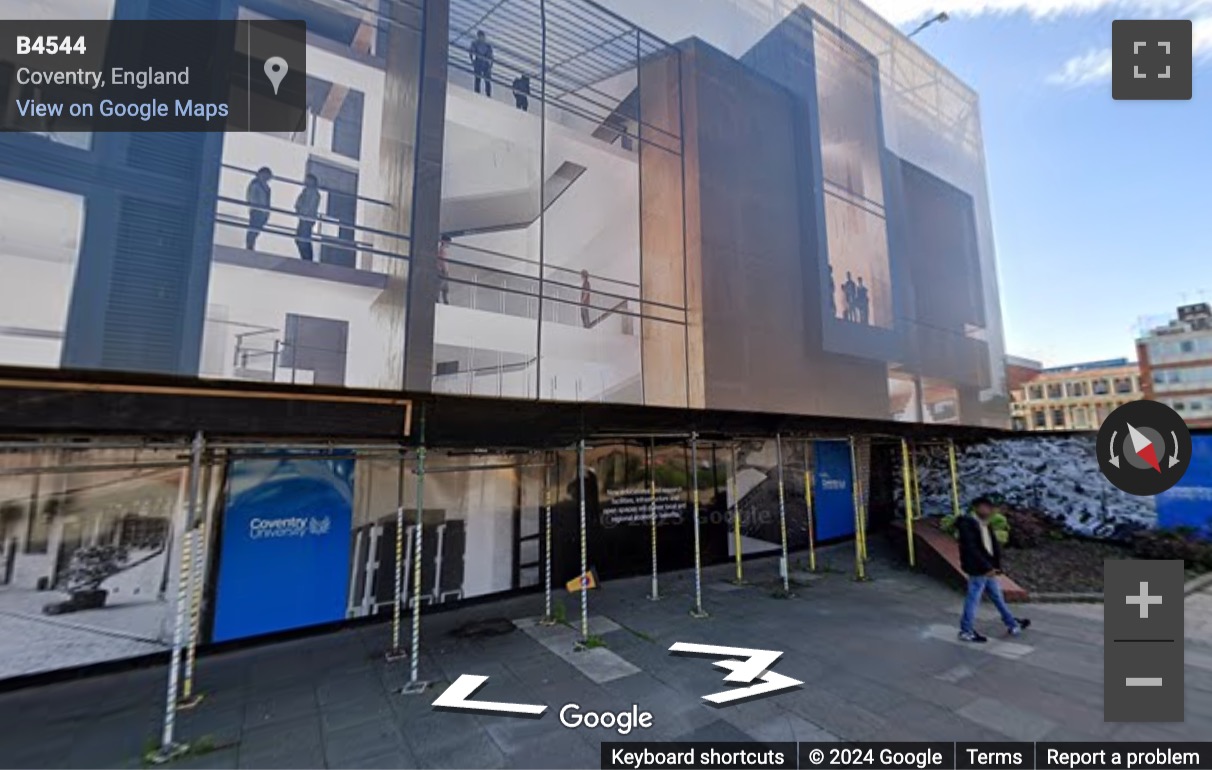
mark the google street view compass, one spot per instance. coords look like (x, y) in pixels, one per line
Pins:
(1144, 448)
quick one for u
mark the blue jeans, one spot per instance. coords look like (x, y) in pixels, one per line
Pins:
(977, 587)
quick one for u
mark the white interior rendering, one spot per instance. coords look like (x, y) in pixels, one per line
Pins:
(40, 235)
(486, 336)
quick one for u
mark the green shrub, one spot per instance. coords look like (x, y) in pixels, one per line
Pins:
(998, 524)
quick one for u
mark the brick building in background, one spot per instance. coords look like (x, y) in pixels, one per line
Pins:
(1077, 397)
(1176, 364)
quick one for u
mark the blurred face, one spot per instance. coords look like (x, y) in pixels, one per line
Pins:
(984, 511)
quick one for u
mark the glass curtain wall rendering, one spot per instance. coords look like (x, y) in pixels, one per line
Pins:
(561, 260)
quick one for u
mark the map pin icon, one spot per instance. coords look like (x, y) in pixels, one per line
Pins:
(276, 69)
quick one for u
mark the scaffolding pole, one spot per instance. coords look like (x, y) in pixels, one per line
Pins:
(169, 748)
(735, 493)
(955, 500)
(917, 481)
(548, 618)
(785, 563)
(697, 612)
(415, 686)
(584, 548)
(907, 484)
(197, 558)
(863, 451)
(808, 503)
(860, 570)
(396, 652)
(652, 511)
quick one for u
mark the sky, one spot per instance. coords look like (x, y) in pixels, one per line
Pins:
(1101, 209)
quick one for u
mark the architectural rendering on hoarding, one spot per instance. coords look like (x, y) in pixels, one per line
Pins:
(601, 229)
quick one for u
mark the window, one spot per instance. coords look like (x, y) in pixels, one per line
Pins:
(1040, 418)
(1123, 384)
(1186, 346)
(1076, 389)
(1101, 387)
(1036, 393)
(1058, 418)
(1055, 390)
(1179, 406)
(1196, 406)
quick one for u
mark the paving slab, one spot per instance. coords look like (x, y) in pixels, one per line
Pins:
(1017, 724)
(879, 660)
(599, 664)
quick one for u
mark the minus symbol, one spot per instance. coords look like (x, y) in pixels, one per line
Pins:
(1143, 681)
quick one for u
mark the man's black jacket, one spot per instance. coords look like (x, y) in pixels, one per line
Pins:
(974, 559)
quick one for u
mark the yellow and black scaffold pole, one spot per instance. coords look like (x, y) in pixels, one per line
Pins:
(907, 485)
(955, 496)
(860, 569)
(808, 503)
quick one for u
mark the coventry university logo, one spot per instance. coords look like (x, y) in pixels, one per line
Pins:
(289, 526)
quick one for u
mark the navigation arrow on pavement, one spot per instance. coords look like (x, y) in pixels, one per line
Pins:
(771, 682)
(458, 697)
(751, 665)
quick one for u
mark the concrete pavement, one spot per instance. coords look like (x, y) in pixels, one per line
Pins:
(878, 659)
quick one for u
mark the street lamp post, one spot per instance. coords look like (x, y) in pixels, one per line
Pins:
(940, 18)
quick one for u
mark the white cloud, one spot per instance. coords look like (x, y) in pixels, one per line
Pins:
(1087, 69)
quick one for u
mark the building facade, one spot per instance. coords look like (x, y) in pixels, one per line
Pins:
(1176, 364)
(1077, 397)
(658, 241)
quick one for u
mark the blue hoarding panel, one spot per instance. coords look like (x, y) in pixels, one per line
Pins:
(1189, 502)
(284, 561)
(833, 499)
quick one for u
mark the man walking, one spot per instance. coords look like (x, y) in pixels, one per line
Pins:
(981, 560)
(481, 62)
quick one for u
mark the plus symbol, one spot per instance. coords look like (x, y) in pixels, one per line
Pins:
(1144, 600)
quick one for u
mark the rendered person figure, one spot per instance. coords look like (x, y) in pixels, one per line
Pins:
(443, 271)
(981, 560)
(521, 93)
(481, 62)
(586, 298)
(307, 206)
(257, 195)
(862, 302)
(849, 296)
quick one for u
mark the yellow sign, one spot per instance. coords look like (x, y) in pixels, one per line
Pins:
(586, 581)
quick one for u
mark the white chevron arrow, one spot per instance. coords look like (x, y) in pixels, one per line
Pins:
(458, 696)
(753, 666)
(771, 682)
